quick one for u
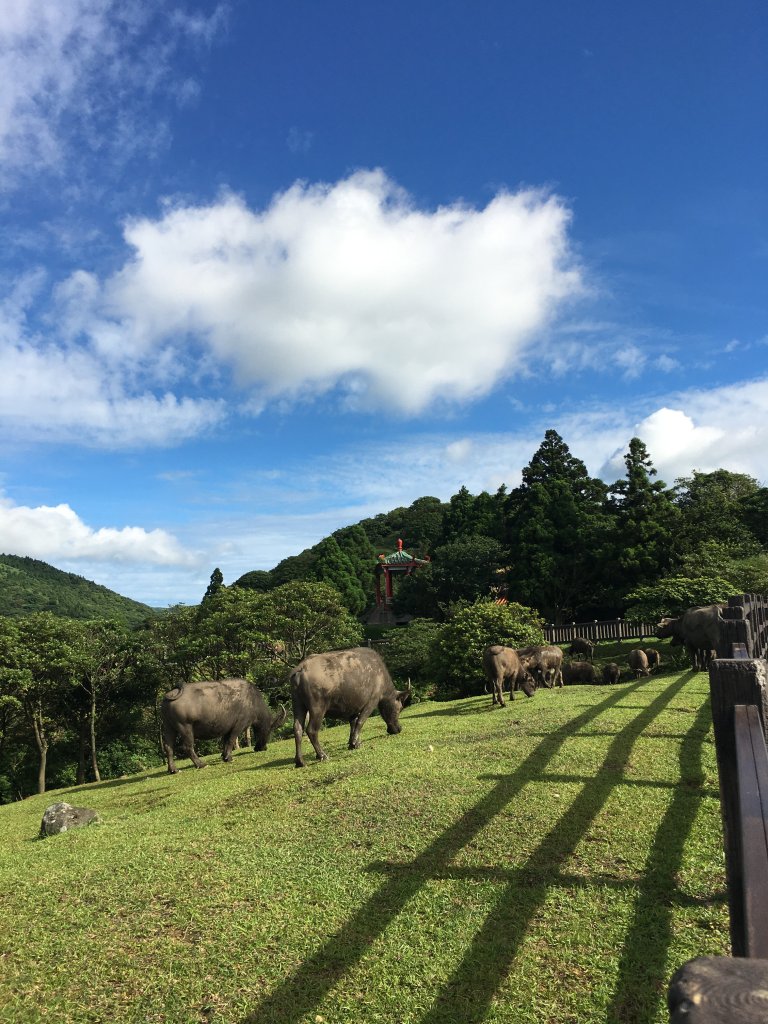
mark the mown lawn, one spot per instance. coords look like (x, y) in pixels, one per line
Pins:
(551, 861)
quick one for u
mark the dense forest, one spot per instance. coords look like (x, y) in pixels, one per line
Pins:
(82, 670)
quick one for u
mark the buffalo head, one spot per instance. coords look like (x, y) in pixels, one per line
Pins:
(391, 706)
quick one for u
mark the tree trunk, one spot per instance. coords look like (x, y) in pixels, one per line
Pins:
(94, 760)
(81, 747)
(42, 747)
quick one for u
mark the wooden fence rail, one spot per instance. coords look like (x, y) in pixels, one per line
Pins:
(611, 629)
(713, 990)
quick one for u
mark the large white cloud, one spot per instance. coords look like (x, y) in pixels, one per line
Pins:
(347, 285)
(56, 533)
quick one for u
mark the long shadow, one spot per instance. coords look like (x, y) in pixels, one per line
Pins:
(303, 990)
(469, 992)
(643, 972)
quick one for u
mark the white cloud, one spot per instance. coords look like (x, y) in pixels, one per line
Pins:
(346, 286)
(76, 75)
(56, 533)
(704, 430)
(666, 363)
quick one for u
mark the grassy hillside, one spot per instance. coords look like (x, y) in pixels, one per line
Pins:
(28, 585)
(554, 860)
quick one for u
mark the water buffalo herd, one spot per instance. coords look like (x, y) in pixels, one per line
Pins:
(351, 684)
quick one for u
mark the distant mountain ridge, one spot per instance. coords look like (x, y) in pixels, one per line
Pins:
(28, 585)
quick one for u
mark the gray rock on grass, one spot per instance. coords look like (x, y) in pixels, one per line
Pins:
(61, 817)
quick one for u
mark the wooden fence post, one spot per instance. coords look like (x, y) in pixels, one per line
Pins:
(733, 682)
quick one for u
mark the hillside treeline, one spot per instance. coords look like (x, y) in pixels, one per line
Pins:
(28, 585)
(563, 542)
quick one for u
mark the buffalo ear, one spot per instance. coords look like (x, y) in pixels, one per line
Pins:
(405, 696)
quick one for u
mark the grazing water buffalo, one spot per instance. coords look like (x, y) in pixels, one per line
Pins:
(654, 658)
(579, 672)
(581, 646)
(207, 710)
(638, 662)
(343, 684)
(544, 663)
(611, 673)
(697, 629)
(501, 664)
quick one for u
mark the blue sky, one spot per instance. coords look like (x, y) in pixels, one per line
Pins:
(269, 268)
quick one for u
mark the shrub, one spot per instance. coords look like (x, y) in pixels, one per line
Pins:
(409, 653)
(461, 642)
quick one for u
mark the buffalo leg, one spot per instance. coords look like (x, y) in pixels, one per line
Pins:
(187, 737)
(298, 734)
(227, 746)
(313, 730)
(357, 724)
(168, 740)
(498, 691)
(354, 733)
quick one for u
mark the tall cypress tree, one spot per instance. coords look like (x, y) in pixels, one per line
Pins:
(556, 520)
(644, 521)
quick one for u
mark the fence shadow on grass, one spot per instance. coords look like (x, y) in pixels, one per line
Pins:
(468, 994)
(643, 969)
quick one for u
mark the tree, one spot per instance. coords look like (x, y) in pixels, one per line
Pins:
(257, 579)
(334, 567)
(356, 545)
(556, 525)
(100, 653)
(307, 618)
(459, 519)
(672, 595)
(423, 524)
(462, 640)
(409, 653)
(644, 521)
(215, 585)
(712, 506)
(37, 668)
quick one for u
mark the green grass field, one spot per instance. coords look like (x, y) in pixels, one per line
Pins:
(552, 861)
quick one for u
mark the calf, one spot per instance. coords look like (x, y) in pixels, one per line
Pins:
(638, 662)
(579, 672)
(611, 673)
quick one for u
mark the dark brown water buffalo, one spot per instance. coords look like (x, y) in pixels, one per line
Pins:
(611, 673)
(502, 664)
(697, 629)
(654, 658)
(579, 672)
(215, 708)
(343, 684)
(582, 647)
(638, 663)
(545, 663)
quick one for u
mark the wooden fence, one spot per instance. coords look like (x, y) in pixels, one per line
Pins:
(713, 990)
(611, 629)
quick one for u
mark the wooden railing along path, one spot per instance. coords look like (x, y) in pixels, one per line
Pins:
(611, 629)
(716, 990)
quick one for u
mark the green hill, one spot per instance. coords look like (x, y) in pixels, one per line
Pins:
(28, 585)
(554, 860)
